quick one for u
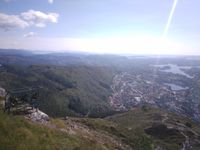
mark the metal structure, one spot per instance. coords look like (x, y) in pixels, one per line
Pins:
(21, 96)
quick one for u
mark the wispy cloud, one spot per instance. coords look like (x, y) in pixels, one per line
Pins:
(30, 34)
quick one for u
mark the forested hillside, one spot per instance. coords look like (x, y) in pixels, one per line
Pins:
(65, 90)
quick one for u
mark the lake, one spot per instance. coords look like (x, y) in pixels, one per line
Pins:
(175, 87)
(175, 69)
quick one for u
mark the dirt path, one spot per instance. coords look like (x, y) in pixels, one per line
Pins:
(186, 144)
(76, 128)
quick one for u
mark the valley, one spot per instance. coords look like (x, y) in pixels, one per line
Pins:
(105, 101)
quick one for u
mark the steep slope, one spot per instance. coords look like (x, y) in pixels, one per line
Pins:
(145, 128)
(18, 133)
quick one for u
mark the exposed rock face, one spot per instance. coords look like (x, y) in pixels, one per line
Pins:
(2, 95)
(34, 114)
(2, 92)
(38, 116)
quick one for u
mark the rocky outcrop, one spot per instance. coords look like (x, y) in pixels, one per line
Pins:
(2, 92)
(2, 95)
(38, 116)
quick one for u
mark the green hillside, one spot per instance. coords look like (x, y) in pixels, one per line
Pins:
(20, 134)
(140, 129)
(66, 90)
(166, 130)
(150, 128)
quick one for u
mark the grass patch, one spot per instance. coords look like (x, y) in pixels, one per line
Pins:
(19, 134)
(2, 98)
(58, 123)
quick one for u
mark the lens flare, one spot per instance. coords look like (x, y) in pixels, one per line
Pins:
(170, 18)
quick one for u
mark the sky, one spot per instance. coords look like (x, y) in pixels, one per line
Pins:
(102, 26)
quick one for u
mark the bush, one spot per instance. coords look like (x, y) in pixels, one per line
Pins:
(188, 124)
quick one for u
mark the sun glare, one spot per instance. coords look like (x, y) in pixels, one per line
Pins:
(170, 18)
(129, 45)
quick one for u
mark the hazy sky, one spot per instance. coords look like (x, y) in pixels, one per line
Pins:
(103, 26)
